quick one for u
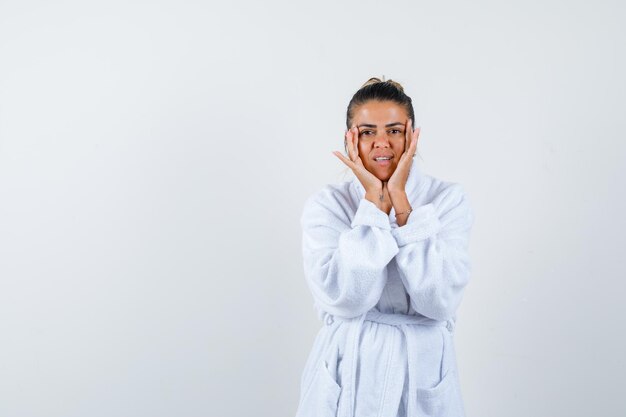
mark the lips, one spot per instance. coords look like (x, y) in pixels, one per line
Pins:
(382, 156)
(383, 162)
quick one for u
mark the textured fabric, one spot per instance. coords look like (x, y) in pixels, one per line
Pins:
(387, 297)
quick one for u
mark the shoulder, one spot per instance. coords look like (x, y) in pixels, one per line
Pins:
(332, 201)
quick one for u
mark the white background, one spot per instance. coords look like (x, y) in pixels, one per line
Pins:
(155, 157)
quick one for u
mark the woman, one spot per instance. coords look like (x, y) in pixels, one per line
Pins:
(386, 259)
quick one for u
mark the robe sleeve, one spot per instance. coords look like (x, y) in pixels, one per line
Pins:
(345, 261)
(433, 259)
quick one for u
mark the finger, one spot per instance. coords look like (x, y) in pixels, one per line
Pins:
(343, 159)
(356, 142)
(407, 135)
(351, 144)
(416, 135)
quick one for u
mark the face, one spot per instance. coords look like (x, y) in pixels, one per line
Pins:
(381, 125)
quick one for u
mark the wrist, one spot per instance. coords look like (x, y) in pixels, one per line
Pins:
(401, 204)
(397, 193)
(374, 197)
(398, 198)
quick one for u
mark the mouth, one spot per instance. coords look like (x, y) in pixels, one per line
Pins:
(383, 161)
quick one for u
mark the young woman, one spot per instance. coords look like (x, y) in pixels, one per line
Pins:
(386, 259)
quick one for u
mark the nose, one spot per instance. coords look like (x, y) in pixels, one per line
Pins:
(381, 140)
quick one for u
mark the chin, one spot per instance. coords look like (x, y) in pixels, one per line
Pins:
(383, 176)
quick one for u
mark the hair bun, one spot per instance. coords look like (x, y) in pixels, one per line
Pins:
(375, 80)
(396, 84)
(372, 80)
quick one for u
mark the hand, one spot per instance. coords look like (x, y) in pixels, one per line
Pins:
(371, 183)
(397, 181)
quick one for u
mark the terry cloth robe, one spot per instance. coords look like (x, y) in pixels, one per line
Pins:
(387, 297)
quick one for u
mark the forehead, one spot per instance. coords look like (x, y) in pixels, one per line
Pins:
(379, 112)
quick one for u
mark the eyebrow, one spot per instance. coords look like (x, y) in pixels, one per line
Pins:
(387, 125)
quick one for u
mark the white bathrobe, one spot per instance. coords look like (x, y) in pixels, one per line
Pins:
(387, 297)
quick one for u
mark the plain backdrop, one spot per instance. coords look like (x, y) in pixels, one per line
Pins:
(155, 158)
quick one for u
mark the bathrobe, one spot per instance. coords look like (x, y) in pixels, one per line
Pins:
(387, 297)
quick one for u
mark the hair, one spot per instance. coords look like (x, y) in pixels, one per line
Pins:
(378, 90)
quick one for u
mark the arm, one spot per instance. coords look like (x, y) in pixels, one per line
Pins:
(345, 262)
(433, 260)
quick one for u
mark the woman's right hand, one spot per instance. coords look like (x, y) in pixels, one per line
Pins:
(373, 186)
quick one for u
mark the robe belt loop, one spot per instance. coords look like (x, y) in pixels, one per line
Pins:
(402, 321)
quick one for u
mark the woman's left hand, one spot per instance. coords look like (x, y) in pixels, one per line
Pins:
(397, 181)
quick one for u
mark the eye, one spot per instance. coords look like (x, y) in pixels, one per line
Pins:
(395, 131)
(366, 132)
